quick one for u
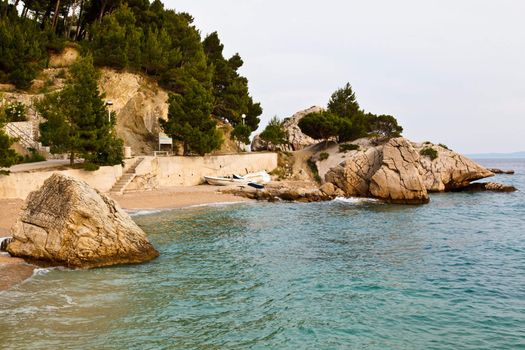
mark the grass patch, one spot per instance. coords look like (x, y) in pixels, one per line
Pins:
(33, 157)
(90, 166)
(348, 147)
(323, 156)
(314, 170)
(429, 152)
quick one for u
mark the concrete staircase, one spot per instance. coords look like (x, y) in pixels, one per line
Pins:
(129, 174)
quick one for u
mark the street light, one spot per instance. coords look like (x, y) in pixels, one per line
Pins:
(109, 103)
(243, 118)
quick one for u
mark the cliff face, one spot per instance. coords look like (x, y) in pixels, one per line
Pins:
(137, 101)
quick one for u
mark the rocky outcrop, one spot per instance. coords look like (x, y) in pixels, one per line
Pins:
(296, 139)
(501, 171)
(397, 172)
(489, 186)
(66, 222)
(449, 170)
(398, 180)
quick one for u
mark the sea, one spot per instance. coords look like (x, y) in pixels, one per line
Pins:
(346, 274)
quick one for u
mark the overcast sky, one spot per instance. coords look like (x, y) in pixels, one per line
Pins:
(450, 71)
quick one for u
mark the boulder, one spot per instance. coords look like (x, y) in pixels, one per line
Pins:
(66, 222)
(449, 170)
(296, 139)
(398, 180)
(353, 175)
(397, 172)
(328, 189)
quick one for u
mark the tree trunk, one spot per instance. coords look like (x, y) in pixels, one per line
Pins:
(102, 10)
(55, 16)
(46, 14)
(77, 34)
(72, 158)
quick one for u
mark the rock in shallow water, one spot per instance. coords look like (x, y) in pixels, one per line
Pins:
(67, 222)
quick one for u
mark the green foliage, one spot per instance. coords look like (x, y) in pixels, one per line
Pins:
(15, 112)
(323, 156)
(343, 104)
(88, 166)
(230, 90)
(345, 147)
(321, 125)
(8, 156)
(23, 50)
(385, 126)
(189, 120)
(444, 146)
(33, 157)
(313, 168)
(274, 133)
(241, 133)
(429, 152)
(76, 119)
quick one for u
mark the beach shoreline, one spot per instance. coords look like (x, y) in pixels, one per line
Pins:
(15, 270)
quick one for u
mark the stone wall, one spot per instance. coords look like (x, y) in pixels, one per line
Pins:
(19, 185)
(190, 171)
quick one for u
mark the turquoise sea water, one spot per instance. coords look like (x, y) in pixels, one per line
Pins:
(337, 275)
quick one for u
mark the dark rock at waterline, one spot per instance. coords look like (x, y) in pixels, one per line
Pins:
(4, 242)
(489, 186)
(501, 171)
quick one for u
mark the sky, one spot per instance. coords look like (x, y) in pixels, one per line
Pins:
(451, 72)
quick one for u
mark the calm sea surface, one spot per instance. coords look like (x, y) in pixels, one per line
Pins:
(337, 275)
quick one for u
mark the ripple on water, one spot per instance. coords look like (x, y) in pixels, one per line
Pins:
(345, 274)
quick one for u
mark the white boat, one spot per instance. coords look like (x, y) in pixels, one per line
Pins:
(225, 181)
(261, 176)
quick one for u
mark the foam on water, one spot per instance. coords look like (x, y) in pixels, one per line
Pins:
(356, 200)
(343, 274)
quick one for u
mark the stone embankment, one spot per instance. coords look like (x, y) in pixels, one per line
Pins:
(68, 223)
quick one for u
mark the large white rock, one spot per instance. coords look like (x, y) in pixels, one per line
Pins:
(67, 222)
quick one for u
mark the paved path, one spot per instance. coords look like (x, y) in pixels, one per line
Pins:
(38, 165)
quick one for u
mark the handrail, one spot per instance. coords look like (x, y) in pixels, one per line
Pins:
(25, 139)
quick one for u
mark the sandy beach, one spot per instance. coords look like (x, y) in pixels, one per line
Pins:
(14, 270)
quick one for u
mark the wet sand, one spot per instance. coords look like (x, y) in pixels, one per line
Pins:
(14, 270)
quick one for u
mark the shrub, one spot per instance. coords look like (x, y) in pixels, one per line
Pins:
(313, 168)
(323, 156)
(444, 146)
(16, 112)
(90, 167)
(33, 157)
(429, 152)
(345, 147)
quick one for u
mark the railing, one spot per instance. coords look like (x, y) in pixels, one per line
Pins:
(26, 140)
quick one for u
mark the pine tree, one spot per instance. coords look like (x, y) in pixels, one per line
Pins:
(189, 119)
(77, 121)
(8, 156)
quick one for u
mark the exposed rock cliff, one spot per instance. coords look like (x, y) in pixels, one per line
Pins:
(396, 172)
(66, 222)
(296, 139)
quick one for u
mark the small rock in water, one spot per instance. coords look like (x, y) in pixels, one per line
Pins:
(489, 186)
(500, 171)
(67, 222)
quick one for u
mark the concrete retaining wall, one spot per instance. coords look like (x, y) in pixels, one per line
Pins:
(153, 172)
(19, 185)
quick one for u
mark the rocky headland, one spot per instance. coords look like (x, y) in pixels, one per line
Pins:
(394, 170)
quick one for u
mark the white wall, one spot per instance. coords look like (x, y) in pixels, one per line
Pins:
(19, 185)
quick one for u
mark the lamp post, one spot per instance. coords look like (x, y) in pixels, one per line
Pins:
(243, 118)
(109, 103)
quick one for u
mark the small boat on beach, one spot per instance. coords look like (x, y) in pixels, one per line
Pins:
(225, 181)
(254, 180)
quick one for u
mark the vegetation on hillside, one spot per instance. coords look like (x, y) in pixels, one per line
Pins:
(77, 120)
(8, 157)
(344, 120)
(274, 133)
(138, 36)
